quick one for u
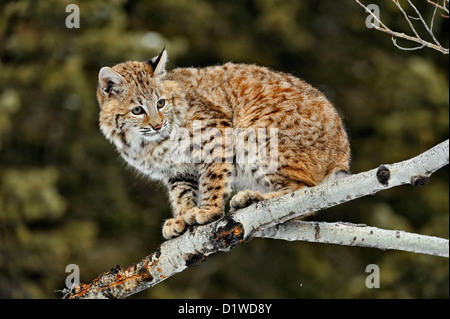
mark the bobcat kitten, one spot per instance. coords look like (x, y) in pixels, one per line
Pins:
(143, 108)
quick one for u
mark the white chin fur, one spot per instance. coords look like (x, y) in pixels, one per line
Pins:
(162, 134)
(153, 137)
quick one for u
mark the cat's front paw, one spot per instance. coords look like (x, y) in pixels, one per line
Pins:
(173, 227)
(202, 216)
(244, 199)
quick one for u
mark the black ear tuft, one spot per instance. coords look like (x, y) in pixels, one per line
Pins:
(158, 63)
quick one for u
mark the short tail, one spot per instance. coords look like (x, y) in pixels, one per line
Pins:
(335, 175)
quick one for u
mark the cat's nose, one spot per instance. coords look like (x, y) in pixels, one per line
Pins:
(157, 127)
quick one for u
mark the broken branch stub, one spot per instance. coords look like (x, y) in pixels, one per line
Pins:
(171, 257)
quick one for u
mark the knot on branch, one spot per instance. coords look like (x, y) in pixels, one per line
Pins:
(230, 235)
(383, 175)
(419, 180)
(193, 260)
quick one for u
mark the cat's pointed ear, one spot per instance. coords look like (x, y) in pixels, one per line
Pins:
(110, 82)
(158, 63)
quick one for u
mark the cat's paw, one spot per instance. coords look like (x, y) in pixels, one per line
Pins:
(244, 199)
(201, 216)
(173, 227)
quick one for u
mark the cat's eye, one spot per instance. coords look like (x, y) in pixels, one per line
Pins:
(138, 110)
(161, 103)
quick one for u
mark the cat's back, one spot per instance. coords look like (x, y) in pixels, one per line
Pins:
(246, 88)
(235, 76)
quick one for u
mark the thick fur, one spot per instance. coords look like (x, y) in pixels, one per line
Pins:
(312, 143)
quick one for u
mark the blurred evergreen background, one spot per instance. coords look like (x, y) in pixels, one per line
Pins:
(67, 198)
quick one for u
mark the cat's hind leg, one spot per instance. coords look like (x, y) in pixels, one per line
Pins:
(247, 197)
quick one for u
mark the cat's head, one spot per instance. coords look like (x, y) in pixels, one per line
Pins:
(135, 101)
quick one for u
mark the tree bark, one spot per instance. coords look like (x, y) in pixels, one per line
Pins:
(357, 235)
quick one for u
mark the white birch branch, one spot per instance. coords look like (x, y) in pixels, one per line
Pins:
(357, 235)
(191, 248)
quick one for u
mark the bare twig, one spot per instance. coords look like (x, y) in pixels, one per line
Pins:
(192, 248)
(429, 29)
(416, 38)
(397, 3)
(442, 7)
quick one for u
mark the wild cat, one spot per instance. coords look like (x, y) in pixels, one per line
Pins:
(143, 109)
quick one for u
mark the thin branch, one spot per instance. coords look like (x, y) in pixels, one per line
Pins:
(432, 19)
(442, 7)
(397, 3)
(357, 235)
(192, 248)
(429, 29)
(417, 39)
